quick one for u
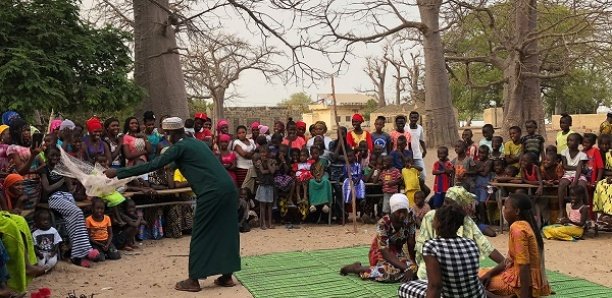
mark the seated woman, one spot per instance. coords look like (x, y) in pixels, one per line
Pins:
(459, 196)
(449, 273)
(388, 259)
(602, 198)
(523, 273)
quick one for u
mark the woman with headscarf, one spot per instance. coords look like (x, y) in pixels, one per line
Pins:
(292, 140)
(358, 134)
(94, 145)
(215, 240)
(389, 262)
(201, 132)
(25, 161)
(255, 131)
(66, 129)
(320, 129)
(455, 195)
(264, 130)
(9, 116)
(301, 130)
(54, 127)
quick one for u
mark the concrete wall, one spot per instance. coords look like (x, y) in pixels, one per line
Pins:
(326, 113)
(264, 115)
(582, 122)
(493, 116)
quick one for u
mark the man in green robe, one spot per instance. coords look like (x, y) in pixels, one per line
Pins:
(215, 240)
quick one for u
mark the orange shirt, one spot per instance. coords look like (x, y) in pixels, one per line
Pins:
(98, 230)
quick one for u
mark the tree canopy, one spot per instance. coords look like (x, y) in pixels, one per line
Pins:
(298, 101)
(49, 58)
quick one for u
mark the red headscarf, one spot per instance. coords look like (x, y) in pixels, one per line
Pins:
(9, 181)
(224, 138)
(255, 125)
(93, 124)
(301, 124)
(200, 115)
(358, 118)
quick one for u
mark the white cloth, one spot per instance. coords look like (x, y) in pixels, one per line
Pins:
(573, 162)
(326, 140)
(398, 201)
(241, 162)
(417, 136)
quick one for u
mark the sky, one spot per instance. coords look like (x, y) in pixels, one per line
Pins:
(254, 90)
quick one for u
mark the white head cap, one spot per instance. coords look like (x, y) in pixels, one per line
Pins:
(398, 201)
(172, 123)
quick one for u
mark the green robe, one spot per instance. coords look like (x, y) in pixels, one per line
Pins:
(215, 240)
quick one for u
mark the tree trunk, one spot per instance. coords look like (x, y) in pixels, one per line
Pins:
(218, 96)
(522, 96)
(381, 94)
(440, 124)
(398, 86)
(157, 65)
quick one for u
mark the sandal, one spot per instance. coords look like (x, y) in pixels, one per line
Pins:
(227, 283)
(84, 263)
(182, 286)
(93, 254)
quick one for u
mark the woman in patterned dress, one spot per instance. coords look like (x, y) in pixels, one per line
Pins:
(392, 251)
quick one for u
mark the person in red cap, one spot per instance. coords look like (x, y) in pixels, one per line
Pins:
(201, 132)
(94, 145)
(301, 130)
(357, 135)
(254, 131)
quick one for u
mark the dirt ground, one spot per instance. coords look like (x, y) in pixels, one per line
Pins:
(153, 270)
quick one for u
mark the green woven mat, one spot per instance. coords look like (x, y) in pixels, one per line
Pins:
(315, 274)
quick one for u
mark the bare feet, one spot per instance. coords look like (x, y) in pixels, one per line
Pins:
(34, 271)
(271, 227)
(352, 268)
(188, 285)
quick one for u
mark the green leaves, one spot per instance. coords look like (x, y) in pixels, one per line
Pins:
(50, 59)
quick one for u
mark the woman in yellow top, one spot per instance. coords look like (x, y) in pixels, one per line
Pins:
(523, 273)
(410, 175)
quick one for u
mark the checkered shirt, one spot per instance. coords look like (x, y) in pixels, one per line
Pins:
(459, 263)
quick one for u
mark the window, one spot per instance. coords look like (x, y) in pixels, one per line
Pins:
(348, 118)
(338, 119)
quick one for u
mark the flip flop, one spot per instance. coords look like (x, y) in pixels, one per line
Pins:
(180, 286)
(228, 284)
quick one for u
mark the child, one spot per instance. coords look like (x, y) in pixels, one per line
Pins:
(464, 167)
(355, 136)
(533, 142)
(189, 127)
(471, 149)
(46, 240)
(487, 137)
(565, 122)
(551, 168)
(100, 232)
(498, 168)
(125, 238)
(523, 272)
(302, 175)
(410, 175)
(389, 177)
(380, 138)
(570, 228)
(594, 166)
(443, 171)
(513, 149)
(228, 158)
(573, 162)
(603, 143)
(531, 175)
(75, 149)
(602, 198)
(265, 168)
(373, 168)
(354, 172)
(497, 144)
(420, 208)
(508, 175)
(319, 188)
(483, 177)
(363, 155)
(243, 211)
(401, 153)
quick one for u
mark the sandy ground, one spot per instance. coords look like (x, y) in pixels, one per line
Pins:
(154, 269)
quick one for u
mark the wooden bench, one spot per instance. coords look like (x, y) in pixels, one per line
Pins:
(164, 192)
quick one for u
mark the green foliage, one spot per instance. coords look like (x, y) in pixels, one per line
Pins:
(50, 59)
(581, 92)
(371, 106)
(199, 105)
(471, 101)
(297, 101)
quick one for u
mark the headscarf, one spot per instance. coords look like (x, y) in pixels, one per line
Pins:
(3, 127)
(321, 123)
(9, 181)
(358, 118)
(255, 125)
(200, 115)
(221, 123)
(263, 129)
(224, 138)
(55, 124)
(67, 124)
(93, 124)
(462, 197)
(398, 201)
(301, 125)
(9, 116)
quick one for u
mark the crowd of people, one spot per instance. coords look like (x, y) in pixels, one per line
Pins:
(288, 173)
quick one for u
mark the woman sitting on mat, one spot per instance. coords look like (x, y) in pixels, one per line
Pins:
(451, 260)
(455, 195)
(388, 259)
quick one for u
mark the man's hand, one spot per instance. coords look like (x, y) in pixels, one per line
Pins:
(111, 173)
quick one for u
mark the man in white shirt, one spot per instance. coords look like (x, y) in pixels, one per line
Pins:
(417, 142)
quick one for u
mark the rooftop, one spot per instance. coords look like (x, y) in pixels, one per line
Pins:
(344, 99)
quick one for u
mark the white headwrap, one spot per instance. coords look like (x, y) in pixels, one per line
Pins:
(398, 201)
(67, 124)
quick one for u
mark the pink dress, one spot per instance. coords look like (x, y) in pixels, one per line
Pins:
(134, 145)
(229, 159)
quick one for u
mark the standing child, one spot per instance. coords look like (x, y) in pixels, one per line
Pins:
(401, 153)
(319, 187)
(380, 138)
(389, 177)
(420, 208)
(265, 168)
(570, 228)
(464, 167)
(363, 154)
(487, 137)
(302, 175)
(530, 172)
(46, 240)
(603, 143)
(513, 149)
(354, 172)
(227, 157)
(497, 146)
(100, 232)
(594, 166)
(443, 171)
(573, 162)
(523, 273)
(565, 122)
(471, 148)
(484, 167)
(533, 142)
(411, 176)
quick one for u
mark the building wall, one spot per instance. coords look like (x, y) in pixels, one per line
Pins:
(326, 113)
(493, 116)
(582, 122)
(264, 115)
